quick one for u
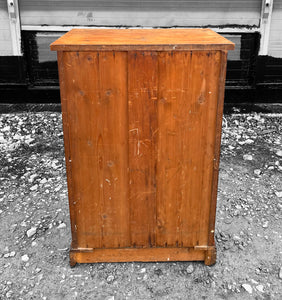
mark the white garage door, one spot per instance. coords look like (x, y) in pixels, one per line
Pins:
(159, 13)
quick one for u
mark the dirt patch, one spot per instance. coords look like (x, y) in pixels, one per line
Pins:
(35, 227)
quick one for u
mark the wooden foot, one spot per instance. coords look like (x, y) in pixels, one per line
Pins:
(72, 260)
(210, 258)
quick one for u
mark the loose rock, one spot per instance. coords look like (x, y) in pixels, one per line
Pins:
(248, 157)
(190, 269)
(34, 187)
(62, 226)
(25, 258)
(257, 171)
(247, 288)
(110, 278)
(143, 270)
(265, 224)
(260, 288)
(31, 232)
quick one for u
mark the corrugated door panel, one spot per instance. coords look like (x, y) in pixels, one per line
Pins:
(140, 13)
(187, 95)
(275, 37)
(5, 33)
(98, 138)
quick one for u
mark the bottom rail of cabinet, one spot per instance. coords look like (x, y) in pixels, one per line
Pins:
(81, 255)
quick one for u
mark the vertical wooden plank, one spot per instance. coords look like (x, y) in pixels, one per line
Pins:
(64, 104)
(212, 69)
(217, 137)
(173, 93)
(97, 106)
(186, 115)
(142, 106)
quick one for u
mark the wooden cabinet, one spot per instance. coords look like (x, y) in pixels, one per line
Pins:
(142, 112)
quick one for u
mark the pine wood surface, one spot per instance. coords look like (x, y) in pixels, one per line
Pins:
(142, 142)
(141, 39)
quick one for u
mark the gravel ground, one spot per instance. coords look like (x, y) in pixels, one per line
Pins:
(35, 226)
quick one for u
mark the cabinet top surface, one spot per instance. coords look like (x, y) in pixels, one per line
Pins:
(141, 39)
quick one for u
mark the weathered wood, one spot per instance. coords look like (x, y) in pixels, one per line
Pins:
(217, 140)
(143, 127)
(97, 143)
(142, 143)
(141, 39)
(136, 254)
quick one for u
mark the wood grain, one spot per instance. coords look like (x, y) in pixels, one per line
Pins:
(217, 141)
(98, 142)
(143, 127)
(132, 254)
(142, 144)
(141, 39)
(186, 118)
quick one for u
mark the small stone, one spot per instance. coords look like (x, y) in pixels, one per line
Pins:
(58, 188)
(12, 254)
(158, 272)
(37, 270)
(247, 288)
(40, 277)
(280, 273)
(25, 258)
(44, 180)
(249, 141)
(9, 294)
(110, 278)
(278, 194)
(190, 269)
(6, 255)
(260, 288)
(248, 157)
(143, 270)
(34, 187)
(6, 128)
(31, 232)
(33, 244)
(265, 224)
(279, 153)
(32, 177)
(62, 226)
(257, 172)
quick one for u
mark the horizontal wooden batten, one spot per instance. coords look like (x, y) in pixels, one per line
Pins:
(141, 39)
(136, 254)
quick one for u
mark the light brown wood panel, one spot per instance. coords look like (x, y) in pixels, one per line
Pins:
(217, 141)
(98, 122)
(141, 39)
(142, 142)
(186, 118)
(143, 131)
(135, 254)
